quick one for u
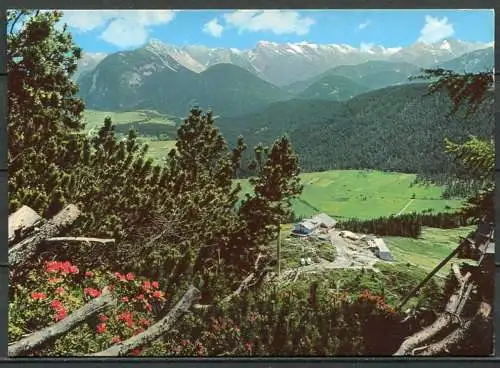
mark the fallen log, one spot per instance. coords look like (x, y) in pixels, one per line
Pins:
(21, 221)
(26, 249)
(42, 336)
(156, 330)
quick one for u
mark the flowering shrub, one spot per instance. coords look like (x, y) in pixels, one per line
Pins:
(50, 294)
(277, 321)
(281, 322)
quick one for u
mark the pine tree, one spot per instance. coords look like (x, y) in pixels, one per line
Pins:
(275, 185)
(43, 109)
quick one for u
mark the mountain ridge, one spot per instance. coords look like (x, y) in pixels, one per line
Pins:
(283, 64)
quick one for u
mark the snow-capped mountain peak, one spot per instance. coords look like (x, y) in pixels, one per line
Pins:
(286, 63)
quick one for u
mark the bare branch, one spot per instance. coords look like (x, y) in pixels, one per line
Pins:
(80, 240)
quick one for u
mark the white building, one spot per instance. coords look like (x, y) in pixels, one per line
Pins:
(305, 227)
(324, 220)
(380, 248)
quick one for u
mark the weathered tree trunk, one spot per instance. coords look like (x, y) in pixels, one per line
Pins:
(457, 337)
(21, 221)
(38, 338)
(156, 330)
(446, 320)
(24, 250)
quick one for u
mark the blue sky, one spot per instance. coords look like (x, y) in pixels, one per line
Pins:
(113, 30)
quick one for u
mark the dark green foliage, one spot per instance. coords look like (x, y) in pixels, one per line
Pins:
(476, 156)
(275, 185)
(333, 88)
(408, 225)
(43, 111)
(394, 129)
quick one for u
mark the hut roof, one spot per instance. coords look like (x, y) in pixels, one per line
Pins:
(323, 218)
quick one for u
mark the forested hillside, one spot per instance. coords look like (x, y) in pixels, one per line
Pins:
(396, 129)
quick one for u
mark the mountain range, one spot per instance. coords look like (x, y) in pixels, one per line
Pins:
(235, 82)
(283, 64)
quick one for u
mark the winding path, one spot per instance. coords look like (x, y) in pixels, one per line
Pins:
(405, 207)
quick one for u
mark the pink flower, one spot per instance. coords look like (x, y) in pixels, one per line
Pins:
(125, 299)
(89, 274)
(63, 267)
(158, 294)
(60, 290)
(155, 284)
(115, 340)
(38, 296)
(52, 266)
(130, 276)
(103, 318)
(248, 346)
(126, 317)
(61, 314)
(100, 328)
(92, 292)
(146, 285)
(120, 277)
(56, 304)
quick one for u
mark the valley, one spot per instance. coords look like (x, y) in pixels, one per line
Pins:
(250, 183)
(364, 194)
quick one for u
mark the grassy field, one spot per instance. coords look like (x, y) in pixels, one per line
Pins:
(158, 149)
(94, 119)
(365, 194)
(362, 194)
(430, 249)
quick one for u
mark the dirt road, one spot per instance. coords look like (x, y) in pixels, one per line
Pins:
(350, 255)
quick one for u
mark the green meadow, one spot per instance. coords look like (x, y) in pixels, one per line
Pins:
(365, 194)
(94, 119)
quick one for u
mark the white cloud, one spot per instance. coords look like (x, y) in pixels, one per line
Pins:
(364, 25)
(123, 33)
(213, 28)
(435, 29)
(123, 28)
(277, 21)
